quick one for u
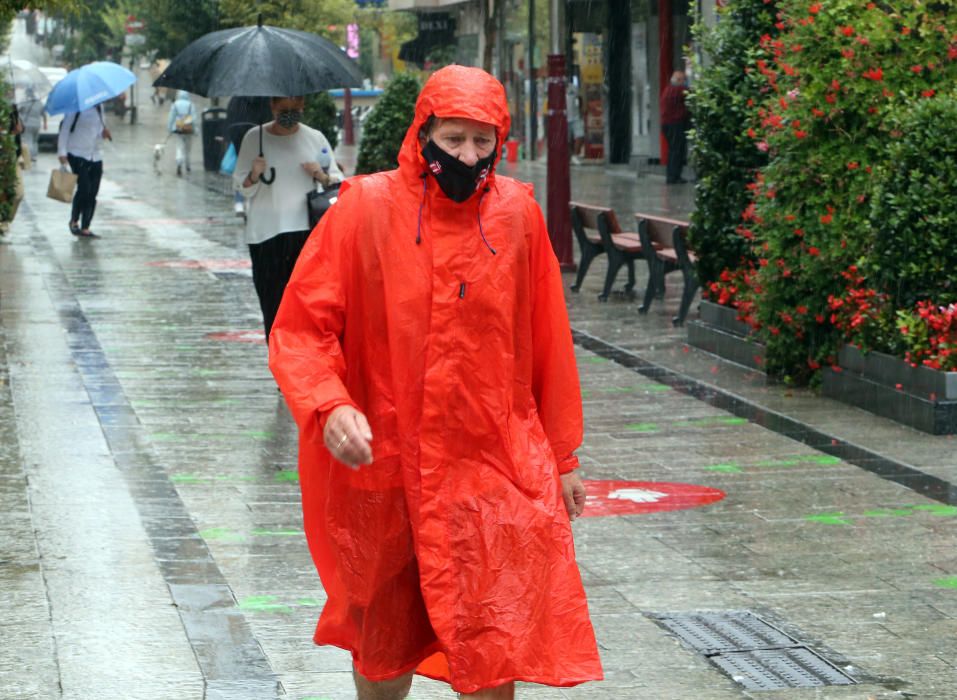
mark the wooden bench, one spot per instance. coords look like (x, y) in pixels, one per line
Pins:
(666, 250)
(597, 231)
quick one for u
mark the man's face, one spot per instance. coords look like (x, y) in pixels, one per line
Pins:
(465, 139)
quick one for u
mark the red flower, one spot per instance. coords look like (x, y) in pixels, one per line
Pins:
(800, 134)
(847, 31)
(853, 165)
(814, 252)
(917, 69)
(801, 309)
(875, 74)
(827, 218)
(928, 93)
(905, 31)
(847, 53)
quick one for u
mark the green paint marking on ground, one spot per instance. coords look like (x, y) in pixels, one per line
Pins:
(642, 427)
(619, 389)
(308, 602)
(221, 533)
(938, 509)
(948, 582)
(585, 393)
(185, 478)
(822, 459)
(888, 513)
(264, 603)
(259, 434)
(594, 360)
(725, 468)
(711, 421)
(828, 519)
(259, 532)
(233, 477)
(288, 475)
(657, 387)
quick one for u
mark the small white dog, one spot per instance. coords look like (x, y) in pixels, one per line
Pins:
(158, 151)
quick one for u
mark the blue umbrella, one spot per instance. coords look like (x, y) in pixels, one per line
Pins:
(88, 86)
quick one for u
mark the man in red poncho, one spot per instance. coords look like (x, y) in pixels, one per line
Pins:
(424, 336)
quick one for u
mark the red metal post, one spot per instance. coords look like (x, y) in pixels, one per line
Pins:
(348, 136)
(559, 179)
(665, 50)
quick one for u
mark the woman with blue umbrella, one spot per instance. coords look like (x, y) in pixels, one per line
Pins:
(79, 97)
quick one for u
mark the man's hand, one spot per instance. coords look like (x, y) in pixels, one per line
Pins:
(63, 160)
(347, 436)
(573, 492)
(107, 135)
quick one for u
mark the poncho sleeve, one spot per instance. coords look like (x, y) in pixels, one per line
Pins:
(554, 372)
(305, 350)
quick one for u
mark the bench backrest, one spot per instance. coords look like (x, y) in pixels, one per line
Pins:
(589, 221)
(660, 229)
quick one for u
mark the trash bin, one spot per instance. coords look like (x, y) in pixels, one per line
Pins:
(511, 151)
(214, 137)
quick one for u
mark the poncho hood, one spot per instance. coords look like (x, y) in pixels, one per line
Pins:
(455, 92)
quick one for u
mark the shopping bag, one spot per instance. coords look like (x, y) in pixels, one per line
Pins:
(228, 164)
(62, 185)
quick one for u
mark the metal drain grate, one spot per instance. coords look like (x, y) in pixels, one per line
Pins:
(772, 669)
(711, 633)
(753, 652)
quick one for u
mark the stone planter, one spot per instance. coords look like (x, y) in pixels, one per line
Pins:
(719, 332)
(920, 397)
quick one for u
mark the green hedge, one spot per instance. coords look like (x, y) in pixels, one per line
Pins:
(724, 157)
(385, 127)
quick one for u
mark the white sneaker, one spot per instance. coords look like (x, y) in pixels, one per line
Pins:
(239, 209)
(576, 160)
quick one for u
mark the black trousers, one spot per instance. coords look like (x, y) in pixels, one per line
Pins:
(273, 261)
(88, 176)
(676, 136)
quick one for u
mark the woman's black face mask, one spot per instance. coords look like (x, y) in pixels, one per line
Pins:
(458, 180)
(289, 118)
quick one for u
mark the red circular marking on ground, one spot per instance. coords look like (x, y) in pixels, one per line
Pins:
(212, 265)
(238, 336)
(636, 497)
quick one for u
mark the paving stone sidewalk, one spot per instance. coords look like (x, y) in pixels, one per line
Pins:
(152, 545)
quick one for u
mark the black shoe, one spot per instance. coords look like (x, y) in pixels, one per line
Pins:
(86, 234)
(179, 171)
(74, 229)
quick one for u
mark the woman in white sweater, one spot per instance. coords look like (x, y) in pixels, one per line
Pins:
(277, 220)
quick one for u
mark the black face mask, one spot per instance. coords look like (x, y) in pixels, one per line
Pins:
(289, 118)
(458, 180)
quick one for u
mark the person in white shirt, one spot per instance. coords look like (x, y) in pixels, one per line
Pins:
(277, 219)
(81, 134)
(182, 122)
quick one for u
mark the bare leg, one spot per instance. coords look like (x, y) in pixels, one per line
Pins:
(396, 689)
(502, 692)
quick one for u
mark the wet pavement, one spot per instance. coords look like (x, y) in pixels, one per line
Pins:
(152, 542)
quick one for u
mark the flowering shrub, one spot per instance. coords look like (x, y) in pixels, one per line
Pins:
(723, 154)
(736, 288)
(838, 81)
(930, 335)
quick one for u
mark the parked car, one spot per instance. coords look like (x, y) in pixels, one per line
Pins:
(49, 134)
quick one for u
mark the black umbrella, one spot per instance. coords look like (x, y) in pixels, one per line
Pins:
(260, 61)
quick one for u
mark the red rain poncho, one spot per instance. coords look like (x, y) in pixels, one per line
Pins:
(452, 553)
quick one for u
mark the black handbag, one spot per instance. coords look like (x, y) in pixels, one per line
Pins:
(318, 203)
